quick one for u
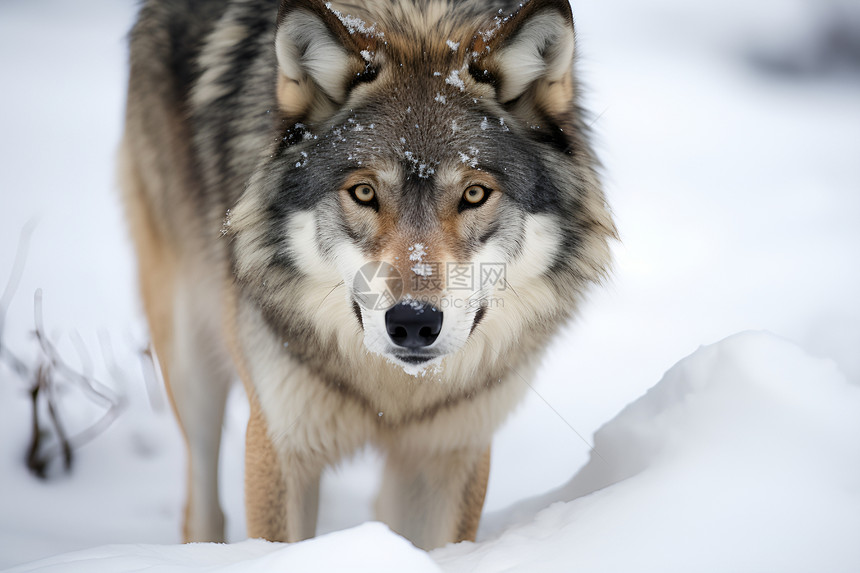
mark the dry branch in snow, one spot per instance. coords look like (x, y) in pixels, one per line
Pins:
(50, 375)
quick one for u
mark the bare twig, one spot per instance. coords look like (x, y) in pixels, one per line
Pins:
(99, 392)
(35, 462)
(150, 367)
(50, 372)
(109, 359)
(15, 364)
(86, 361)
(17, 269)
(60, 430)
(93, 388)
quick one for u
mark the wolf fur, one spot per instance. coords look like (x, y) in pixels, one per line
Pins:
(248, 124)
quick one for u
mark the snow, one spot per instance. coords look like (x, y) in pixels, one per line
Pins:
(227, 223)
(370, 548)
(423, 169)
(354, 24)
(471, 158)
(735, 192)
(455, 80)
(422, 269)
(417, 252)
(669, 482)
(743, 458)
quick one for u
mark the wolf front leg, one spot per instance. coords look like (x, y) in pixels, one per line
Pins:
(437, 498)
(180, 296)
(281, 490)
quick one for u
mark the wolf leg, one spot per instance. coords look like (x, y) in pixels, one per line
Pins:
(185, 333)
(434, 499)
(281, 490)
(200, 378)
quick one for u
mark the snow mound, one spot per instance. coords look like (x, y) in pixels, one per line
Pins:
(370, 548)
(745, 457)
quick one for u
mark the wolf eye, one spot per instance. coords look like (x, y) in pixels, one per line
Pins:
(364, 195)
(474, 196)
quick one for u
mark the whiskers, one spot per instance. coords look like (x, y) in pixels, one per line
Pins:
(334, 288)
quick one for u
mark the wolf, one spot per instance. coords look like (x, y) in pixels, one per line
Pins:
(300, 178)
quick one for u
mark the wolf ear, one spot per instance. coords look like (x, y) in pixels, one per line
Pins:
(319, 59)
(529, 55)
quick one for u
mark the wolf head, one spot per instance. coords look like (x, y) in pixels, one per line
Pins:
(431, 196)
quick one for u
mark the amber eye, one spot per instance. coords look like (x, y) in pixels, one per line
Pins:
(364, 195)
(474, 196)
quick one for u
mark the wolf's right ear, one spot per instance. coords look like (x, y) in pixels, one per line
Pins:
(319, 59)
(528, 58)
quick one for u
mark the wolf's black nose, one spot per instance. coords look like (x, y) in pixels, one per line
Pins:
(412, 324)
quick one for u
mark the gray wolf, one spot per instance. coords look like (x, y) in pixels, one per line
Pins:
(271, 153)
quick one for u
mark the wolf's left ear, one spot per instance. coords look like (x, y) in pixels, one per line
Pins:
(529, 56)
(319, 59)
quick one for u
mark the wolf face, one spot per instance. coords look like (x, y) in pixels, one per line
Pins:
(430, 187)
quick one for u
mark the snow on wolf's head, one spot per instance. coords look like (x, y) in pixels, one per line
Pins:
(432, 196)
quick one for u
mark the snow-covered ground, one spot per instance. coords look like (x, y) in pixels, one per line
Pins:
(743, 458)
(736, 187)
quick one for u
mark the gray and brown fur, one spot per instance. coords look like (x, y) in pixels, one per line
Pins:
(247, 123)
